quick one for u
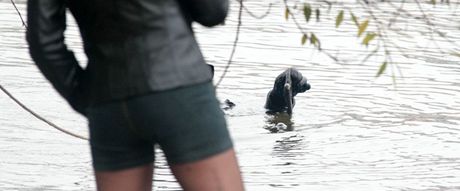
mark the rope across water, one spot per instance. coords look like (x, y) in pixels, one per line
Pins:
(40, 117)
(235, 42)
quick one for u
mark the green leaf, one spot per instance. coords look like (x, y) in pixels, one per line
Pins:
(368, 38)
(433, 2)
(455, 54)
(286, 13)
(315, 41)
(339, 19)
(317, 15)
(307, 11)
(382, 69)
(304, 38)
(355, 19)
(362, 27)
(318, 44)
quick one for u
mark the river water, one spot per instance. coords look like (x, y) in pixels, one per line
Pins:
(351, 131)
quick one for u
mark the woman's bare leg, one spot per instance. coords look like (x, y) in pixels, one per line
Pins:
(136, 179)
(216, 173)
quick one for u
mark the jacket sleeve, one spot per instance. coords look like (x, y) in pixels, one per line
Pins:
(45, 35)
(206, 12)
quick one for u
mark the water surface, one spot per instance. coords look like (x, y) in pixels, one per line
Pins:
(351, 131)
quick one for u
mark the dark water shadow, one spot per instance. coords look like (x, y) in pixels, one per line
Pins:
(277, 122)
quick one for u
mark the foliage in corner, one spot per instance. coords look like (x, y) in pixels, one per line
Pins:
(372, 29)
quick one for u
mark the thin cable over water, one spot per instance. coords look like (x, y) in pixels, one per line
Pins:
(40, 117)
(19, 13)
(235, 42)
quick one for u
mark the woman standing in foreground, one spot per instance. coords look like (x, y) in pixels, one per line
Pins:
(146, 83)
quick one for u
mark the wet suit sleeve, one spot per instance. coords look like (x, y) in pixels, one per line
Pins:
(206, 12)
(45, 35)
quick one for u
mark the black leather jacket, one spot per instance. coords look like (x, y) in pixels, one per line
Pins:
(133, 46)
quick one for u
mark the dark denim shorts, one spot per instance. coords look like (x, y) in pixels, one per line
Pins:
(187, 123)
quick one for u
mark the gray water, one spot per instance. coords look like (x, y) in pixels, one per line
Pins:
(351, 131)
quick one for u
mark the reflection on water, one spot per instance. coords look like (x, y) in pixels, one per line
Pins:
(352, 132)
(278, 122)
(289, 146)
